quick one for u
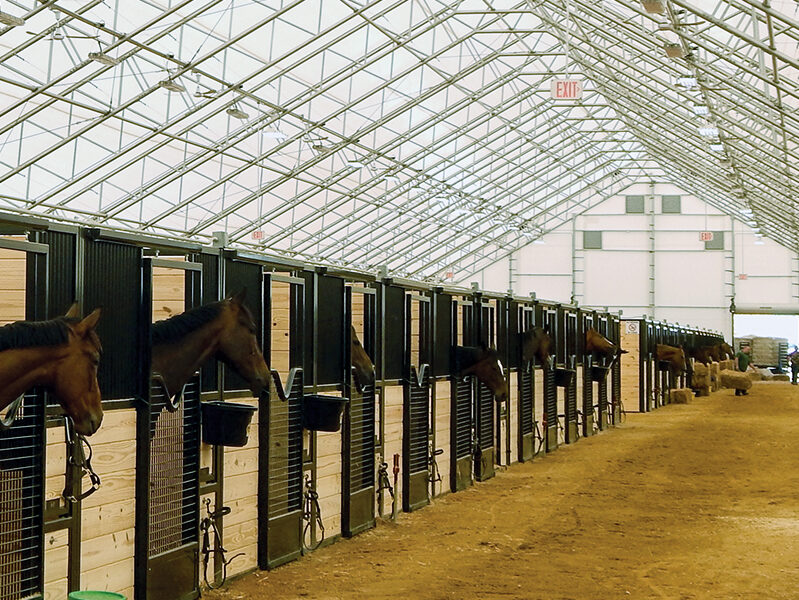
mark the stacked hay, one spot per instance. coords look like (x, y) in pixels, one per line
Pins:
(781, 377)
(727, 365)
(680, 396)
(700, 381)
(715, 383)
(755, 374)
(735, 379)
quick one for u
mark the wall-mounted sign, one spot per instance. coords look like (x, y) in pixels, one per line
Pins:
(743, 276)
(705, 236)
(631, 327)
(258, 234)
(567, 89)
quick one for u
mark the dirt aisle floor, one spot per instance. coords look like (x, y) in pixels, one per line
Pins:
(690, 501)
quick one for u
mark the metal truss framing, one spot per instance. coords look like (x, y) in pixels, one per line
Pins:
(415, 135)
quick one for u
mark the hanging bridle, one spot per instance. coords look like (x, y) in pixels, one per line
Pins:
(77, 458)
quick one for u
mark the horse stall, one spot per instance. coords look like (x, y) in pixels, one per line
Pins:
(484, 403)
(634, 366)
(585, 376)
(23, 286)
(416, 414)
(325, 352)
(441, 403)
(547, 316)
(280, 431)
(518, 412)
(462, 393)
(391, 370)
(566, 372)
(616, 409)
(358, 468)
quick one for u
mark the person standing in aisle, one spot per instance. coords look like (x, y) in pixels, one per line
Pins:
(793, 359)
(742, 360)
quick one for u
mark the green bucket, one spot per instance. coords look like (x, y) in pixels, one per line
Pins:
(90, 595)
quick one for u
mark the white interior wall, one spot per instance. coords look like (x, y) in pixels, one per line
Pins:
(653, 264)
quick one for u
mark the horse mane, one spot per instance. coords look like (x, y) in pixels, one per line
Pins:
(30, 334)
(177, 327)
(468, 356)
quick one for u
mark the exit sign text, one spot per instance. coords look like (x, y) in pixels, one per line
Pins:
(567, 89)
(705, 236)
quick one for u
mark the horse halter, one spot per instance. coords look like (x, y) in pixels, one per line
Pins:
(78, 459)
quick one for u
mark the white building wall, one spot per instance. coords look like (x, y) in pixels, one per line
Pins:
(653, 264)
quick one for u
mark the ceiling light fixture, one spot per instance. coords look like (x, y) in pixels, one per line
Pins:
(172, 86)
(701, 109)
(235, 112)
(355, 164)
(709, 131)
(717, 147)
(103, 58)
(687, 82)
(654, 7)
(273, 133)
(674, 50)
(11, 20)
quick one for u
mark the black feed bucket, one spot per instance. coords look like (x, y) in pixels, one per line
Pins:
(322, 413)
(226, 423)
(564, 377)
(599, 373)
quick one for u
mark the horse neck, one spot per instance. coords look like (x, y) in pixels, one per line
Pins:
(176, 361)
(23, 369)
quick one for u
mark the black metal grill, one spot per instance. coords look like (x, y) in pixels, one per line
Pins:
(285, 457)
(550, 397)
(571, 402)
(526, 399)
(174, 469)
(21, 502)
(463, 417)
(419, 407)
(485, 414)
(362, 440)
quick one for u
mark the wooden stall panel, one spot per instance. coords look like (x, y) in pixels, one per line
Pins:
(328, 478)
(169, 297)
(393, 399)
(580, 406)
(12, 294)
(358, 320)
(630, 385)
(241, 495)
(442, 425)
(56, 556)
(415, 324)
(280, 328)
(108, 516)
(513, 408)
(561, 392)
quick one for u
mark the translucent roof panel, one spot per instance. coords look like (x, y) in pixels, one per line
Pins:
(412, 134)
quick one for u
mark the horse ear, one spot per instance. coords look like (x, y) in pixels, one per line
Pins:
(239, 297)
(73, 312)
(89, 323)
(622, 351)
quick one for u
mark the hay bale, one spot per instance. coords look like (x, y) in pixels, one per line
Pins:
(781, 377)
(703, 391)
(736, 380)
(680, 396)
(754, 374)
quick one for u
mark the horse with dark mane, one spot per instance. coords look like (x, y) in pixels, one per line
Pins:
(674, 356)
(483, 363)
(362, 367)
(538, 344)
(224, 330)
(596, 342)
(60, 355)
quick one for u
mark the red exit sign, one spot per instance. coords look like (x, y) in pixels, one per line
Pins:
(567, 89)
(743, 276)
(258, 234)
(705, 236)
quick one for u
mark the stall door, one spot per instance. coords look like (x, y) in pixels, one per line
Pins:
(169, 446)
(526, 382)
(461, 417)
(358, 485)
(485, 406)
(22, 442)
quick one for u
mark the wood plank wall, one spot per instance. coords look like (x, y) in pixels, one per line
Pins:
(12, 291)
(392, 440)
(630, 385)
(538, 399)
(513, 407)
(442, 425)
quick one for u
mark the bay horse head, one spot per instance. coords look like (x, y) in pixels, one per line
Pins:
(674, 356)
(596, 342)
(238, 344)
(62, 356)
(726, 350)
(362, 366)
(483, 363)
(538, 344)
(224, 330)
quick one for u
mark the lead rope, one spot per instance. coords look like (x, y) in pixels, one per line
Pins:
(206, 526)
(78, 459)
(310, 510)
(432, 464)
